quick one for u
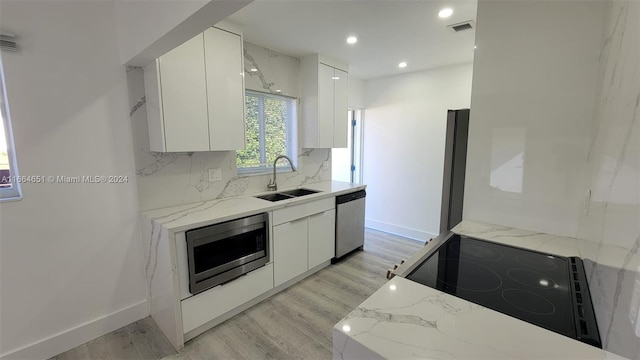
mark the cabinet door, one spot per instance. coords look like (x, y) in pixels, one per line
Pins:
(340, 116)
(322, 237)
(289, 250)
(184, 97)
(225, 89)
(325, 106)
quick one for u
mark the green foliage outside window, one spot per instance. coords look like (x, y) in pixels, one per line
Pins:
(269, 121)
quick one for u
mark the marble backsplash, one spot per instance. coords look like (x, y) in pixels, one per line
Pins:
(168, 179)
(531, 101)
(270, 71)
(612, 224)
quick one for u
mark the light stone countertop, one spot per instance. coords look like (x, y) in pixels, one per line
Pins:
(163, 265)
(184, 217)
(407, 320)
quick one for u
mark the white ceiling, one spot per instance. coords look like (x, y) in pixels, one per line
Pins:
(388, 31)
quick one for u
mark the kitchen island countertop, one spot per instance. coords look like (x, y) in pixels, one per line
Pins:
(407, 320)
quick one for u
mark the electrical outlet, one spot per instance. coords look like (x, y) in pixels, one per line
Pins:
(587, 201)
(325, 165)
(215, 174)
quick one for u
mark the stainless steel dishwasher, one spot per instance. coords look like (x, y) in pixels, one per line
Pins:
(349, 222)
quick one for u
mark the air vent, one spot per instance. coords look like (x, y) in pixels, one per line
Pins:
(8, 41)
(466, 25)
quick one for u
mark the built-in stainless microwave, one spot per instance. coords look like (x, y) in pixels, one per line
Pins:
(221, 252)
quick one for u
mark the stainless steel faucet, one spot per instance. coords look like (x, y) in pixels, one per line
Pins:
(272, 183)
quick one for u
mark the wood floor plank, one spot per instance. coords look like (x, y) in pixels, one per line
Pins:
(293, 324)
(144, 335)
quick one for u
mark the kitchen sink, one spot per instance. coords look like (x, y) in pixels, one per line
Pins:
(286, 195)
(299, 192)
(275, 197)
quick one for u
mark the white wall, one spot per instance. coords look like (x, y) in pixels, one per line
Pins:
(356, 93)
(70, 255)
(150, 28)
(404, 137)
(534, 85)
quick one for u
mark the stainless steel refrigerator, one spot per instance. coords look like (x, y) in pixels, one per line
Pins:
(455, 162)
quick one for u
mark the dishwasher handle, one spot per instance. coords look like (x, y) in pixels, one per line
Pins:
(350, 197)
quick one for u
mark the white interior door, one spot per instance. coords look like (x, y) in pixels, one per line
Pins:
(346, 162)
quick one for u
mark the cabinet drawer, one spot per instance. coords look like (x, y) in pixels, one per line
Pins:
(204, 307)
(294, 212)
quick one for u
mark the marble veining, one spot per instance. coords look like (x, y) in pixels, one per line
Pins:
(274, 72)
(381, 316)
(168, 179)
(161, 275)
(618, 291)
(611, 229)
(137, 105)
(188, 216)
(317, 175)
(200, 207)
(406, 320)
(152, 258)
(257, 73)
(160, 160)
(559, 245)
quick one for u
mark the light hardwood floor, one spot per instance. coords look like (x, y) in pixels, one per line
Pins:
(295, 323)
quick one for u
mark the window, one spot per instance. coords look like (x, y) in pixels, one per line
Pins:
(270, 130)
(9, 188)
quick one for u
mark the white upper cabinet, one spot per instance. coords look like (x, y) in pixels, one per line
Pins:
(324, 103)
(176, 96)
(340, 109)
(225, 89)
(195, 94)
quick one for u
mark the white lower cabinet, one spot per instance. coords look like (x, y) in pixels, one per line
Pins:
(303, 238)
(206, 306)
(290, 250)
(322, 237)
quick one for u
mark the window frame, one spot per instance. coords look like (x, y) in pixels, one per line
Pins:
(14, 192)
(292, 135)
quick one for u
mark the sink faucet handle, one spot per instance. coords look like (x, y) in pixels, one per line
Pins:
(272, 185)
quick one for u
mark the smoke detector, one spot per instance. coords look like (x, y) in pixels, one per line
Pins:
(465, 25)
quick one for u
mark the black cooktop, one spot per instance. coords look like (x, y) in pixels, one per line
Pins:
(543, 289)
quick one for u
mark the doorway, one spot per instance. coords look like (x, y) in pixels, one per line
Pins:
(346, 163)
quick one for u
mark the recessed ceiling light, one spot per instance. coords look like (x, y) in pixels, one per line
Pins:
(445, 13)
(352, 40)
(335, 78)
(402, 65)
(278, 90)
(254, 69)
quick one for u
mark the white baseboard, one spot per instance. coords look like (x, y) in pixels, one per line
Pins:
(80, 334)
(399, 230)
